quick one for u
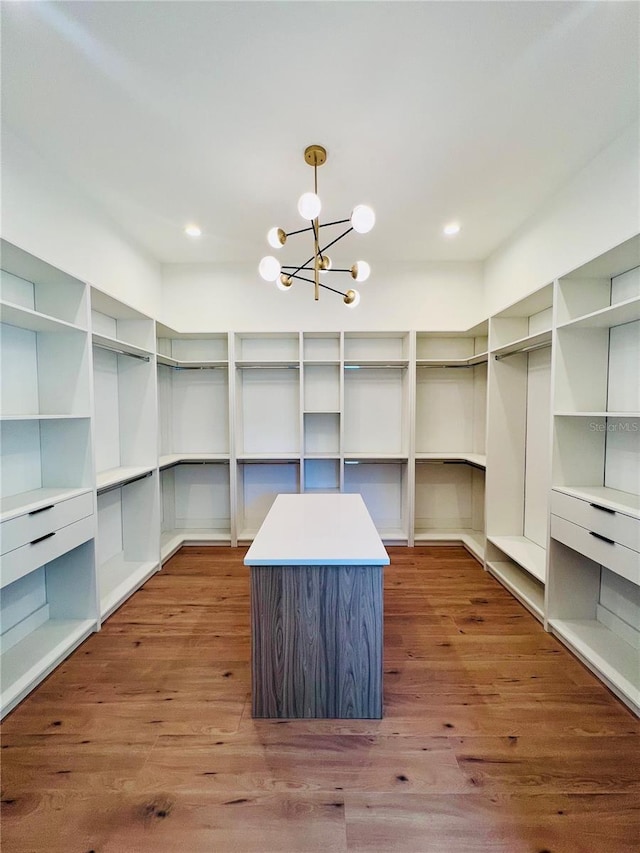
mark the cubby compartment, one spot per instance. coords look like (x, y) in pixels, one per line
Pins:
(321, 433)
(258, 484)
(32, 288)
(377, 348)
(321, 388)
(46, 614)
(449, 504)
(515, 569)
(195, 505)
(376, 411)
(261, 349)
(127, 540)
(191, 350)
(597, 614)
(321, 347)
(117, 326)
(384, 489)
(43, 461)
(267, 411)
(322, 475)
(46, 369)
(523, 326)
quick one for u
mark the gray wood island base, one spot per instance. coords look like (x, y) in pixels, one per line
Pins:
(317, 610)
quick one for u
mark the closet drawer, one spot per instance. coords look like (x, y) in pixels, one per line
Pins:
(22, 561)
(623, 529)
(621, 560)
(25, 528)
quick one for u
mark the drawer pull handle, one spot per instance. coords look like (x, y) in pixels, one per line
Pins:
(42, 538)
(603, 508)
(603, 538)
(42, 509)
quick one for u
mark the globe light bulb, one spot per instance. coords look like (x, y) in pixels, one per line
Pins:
(360, 271)
(451, 229)
(362, 218)
(309, 206)
(351, 298)
(276, 238)
(269, 268)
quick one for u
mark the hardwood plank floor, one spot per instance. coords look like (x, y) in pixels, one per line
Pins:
(494, 738)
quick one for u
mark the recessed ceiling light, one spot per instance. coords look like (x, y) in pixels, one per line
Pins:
(451, 228)
(193, 231)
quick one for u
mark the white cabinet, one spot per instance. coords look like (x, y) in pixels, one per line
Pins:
(518, 446)
(450, 422)
(593, 599)
(47, 523)
(194, 439)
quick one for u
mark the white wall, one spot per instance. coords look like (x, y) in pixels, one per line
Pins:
(408, 296)
(596, 211)
(46, 215)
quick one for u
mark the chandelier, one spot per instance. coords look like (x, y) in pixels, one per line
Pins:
(362, 220)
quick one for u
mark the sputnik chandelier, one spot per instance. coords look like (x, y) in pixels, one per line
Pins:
(362, 220)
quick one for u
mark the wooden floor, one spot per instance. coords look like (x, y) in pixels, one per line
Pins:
(494, 737)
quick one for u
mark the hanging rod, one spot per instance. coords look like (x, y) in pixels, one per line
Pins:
(194, 462)
(121, 352)
(199, 367)
(121, 483)
(268, 366)
(524, 349)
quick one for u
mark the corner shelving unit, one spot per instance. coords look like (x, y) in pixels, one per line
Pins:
(518, 446)
(450, 418)
(193, 400)
(593, 599)
(48, 603)
(124, 388)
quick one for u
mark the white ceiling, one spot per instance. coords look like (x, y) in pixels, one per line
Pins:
(168, 112)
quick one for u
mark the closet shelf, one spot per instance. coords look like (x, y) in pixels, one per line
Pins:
(357, 364)
(40, 652)
(470, 361)
(613, 315)
(121, 476)
(601, 414)
(170, 459)
(41, 417)
(181, 364)
(522, 344)
(119, 578)
(33, 321)
(523, 551)
(120, 347)
(477, 459)
(473, 540)
(523, 586)
(601, 649)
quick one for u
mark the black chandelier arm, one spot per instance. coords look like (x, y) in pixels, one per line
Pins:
(328, 246)
(320, 225)
(311, 281)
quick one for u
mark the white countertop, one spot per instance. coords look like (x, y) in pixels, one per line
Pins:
(317, 530)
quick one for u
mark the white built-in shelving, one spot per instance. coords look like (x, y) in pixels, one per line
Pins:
(518, 446)
(48, 588)
(124, 439)
(593, 599)
(449, 438)
(194, 438)
(125, 427)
